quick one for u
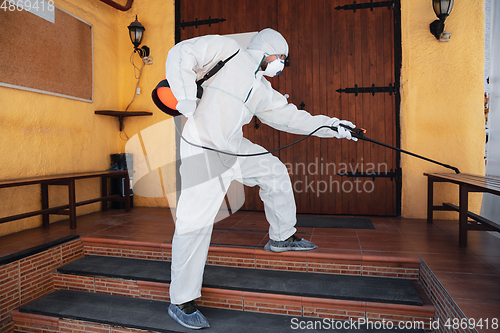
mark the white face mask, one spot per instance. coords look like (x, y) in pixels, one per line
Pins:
(274, 68)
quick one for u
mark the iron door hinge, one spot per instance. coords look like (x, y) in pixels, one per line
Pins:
(196, 23)
(370, 5)
(372, 90)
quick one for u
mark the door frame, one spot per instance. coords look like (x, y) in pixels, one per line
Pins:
(398, 62)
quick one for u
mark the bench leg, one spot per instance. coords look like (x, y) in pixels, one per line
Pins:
(127, 193)
(45, 204)
(72, 204)
(463, 207)
(430, 200)
(104, 193)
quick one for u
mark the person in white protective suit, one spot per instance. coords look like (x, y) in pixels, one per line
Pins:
(231, 98)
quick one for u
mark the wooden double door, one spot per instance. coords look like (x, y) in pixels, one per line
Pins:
(339, 59)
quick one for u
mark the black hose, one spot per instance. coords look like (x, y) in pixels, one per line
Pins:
(355, 132)
(255, 154)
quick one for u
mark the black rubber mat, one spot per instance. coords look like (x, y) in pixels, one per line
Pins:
(321, 222)
(358, 288)
(152, 315)
(334, 222)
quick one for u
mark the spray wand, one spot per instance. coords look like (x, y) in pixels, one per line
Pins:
(360, 134)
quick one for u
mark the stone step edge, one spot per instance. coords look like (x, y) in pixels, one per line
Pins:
(258, 252)
(400, 267)
(252, 301)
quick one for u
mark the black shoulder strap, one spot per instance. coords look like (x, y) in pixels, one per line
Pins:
(212, 72)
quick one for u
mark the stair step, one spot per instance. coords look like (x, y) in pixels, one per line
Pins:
(317, 261)
(329, 286)
(151, 315)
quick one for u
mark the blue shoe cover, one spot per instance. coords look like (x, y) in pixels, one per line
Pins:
(282, 246)
(195, 320)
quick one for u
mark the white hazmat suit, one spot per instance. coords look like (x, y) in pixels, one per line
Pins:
(231, 98)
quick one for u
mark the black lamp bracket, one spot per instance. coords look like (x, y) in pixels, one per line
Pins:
(143, 51)
(437, 28)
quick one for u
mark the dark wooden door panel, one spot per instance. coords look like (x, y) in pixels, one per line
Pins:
(329, 49)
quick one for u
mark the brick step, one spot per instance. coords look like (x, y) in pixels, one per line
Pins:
(289, 293)
(76, 311)
(310, 261)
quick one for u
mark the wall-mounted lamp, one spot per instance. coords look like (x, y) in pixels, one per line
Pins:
(442, 8)
(136, 30)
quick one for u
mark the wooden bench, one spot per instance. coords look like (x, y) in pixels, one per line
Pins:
(68, 180)
(467, 183)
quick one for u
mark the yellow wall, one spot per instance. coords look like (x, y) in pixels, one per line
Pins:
(442, 100)
(45, 135)
(159, 21)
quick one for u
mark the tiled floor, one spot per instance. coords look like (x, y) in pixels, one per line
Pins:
(470, 275)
